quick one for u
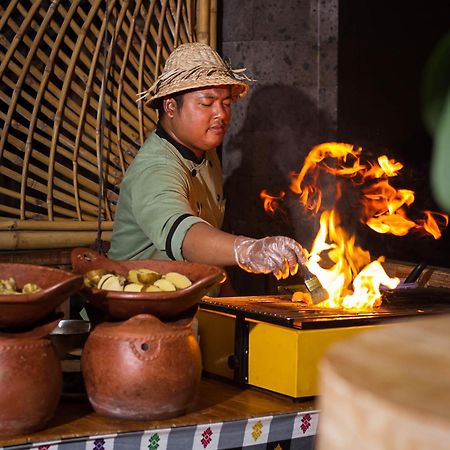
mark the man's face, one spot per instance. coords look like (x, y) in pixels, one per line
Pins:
(202, 120)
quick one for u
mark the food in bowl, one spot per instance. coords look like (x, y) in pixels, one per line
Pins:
(136, 280)
(9, 286)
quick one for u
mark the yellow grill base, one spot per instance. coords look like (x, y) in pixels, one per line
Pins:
(273, 357)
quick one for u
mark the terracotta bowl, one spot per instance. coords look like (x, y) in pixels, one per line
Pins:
(164, 305)
(25, 309)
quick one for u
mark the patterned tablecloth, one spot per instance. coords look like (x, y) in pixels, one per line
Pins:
(292, 431)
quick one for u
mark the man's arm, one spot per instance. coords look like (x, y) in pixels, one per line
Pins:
(280, 255)
(208, 245)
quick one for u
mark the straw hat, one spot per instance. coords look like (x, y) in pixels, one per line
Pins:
(192, 66)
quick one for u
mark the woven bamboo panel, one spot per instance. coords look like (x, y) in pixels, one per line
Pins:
(70, 123)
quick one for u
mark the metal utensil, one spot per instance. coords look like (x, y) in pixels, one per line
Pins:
(415, 273)
(315, 288)
(69, 335)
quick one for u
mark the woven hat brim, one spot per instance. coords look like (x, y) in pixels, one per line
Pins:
(239, 89)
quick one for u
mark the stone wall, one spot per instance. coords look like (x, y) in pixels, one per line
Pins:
(290, 49)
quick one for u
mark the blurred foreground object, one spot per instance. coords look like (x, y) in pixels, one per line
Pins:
(436, 116)
(388, 388)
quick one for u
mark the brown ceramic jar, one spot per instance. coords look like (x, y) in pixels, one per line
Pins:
(142, 369)
(31, 381)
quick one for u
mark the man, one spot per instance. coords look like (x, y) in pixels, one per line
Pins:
(171, 203)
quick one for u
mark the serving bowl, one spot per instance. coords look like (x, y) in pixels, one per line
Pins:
(19, 310)
(164, 305)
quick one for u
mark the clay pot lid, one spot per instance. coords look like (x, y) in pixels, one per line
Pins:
(39, 333)
(141, 325)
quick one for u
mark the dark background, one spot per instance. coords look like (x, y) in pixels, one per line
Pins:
(328, 70)
(383, 49)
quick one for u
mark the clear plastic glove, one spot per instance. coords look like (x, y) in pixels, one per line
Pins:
(277, 254)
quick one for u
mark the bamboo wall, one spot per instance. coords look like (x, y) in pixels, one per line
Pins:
(70, 123)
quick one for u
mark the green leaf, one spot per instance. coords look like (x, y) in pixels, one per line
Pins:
(440, 164)
(436, 84)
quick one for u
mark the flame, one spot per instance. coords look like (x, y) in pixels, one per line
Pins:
(384, 207)
(271, 203)
(310, 196)
(350, 277)
(430, 223)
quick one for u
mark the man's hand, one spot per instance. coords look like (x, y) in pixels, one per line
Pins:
(277, 254)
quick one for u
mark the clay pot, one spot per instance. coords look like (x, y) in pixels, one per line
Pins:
(142, 369)
(31, 380)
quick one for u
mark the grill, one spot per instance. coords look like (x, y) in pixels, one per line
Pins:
(279, 310)
(275, 344)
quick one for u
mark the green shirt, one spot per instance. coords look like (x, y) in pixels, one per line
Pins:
(164, 192)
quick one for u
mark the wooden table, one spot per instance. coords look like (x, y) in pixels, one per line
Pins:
(222, 415)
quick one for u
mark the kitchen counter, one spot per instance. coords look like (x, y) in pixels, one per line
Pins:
(224, 416)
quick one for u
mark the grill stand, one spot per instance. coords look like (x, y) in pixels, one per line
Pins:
(275, 344)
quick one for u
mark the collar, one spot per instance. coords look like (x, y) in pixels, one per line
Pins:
(184, 151)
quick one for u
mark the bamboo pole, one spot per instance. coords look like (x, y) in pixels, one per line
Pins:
(27, 240)
(60, 183)
(11, 50)
(34, 114)
(190, 20)
(150, 118)
(213, 24)
(6, 14)
(159, 39)
(89, 208)
(120, 84)
(74, 86)
(91, 165)
(58, 116)
(184, 28)
(141, 68)
(14, 157)
(101, 114)
(57, 225)
(180, 32)
(83, 112)
(132, 79)
(95, 87)
(59, 168)
(203, 17)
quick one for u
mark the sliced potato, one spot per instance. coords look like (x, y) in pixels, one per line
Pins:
(178, 279)
(133, 287)
(9, 292)
(92, 277)
(151, 288)
(165, 285)
(8, 284)
(143, 276)
(8, 287)
(111, 282)
(30, 288)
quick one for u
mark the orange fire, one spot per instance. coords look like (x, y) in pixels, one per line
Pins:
(344, 269)
(352, 280)
(271, 202)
